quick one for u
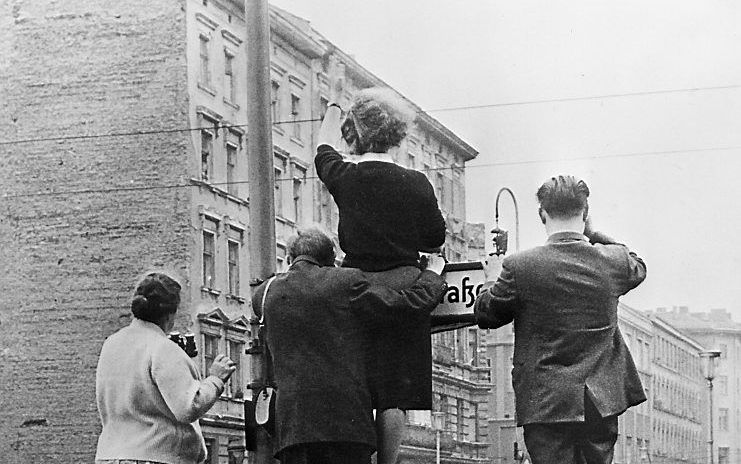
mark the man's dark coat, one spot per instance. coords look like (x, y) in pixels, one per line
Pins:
(317, 320)
(563, 300)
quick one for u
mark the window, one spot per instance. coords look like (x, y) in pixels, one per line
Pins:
(234, 241)
(299, 174)
(207, 151)
(212, 446)
(448, 194)
(323, 104)
(280, 170)
(440, 189)
(427, 172)
(275, 101)
(476, 426)
(209, 253)
(460, 345)
(296, 115)
(723, 384)
(473, 346)
(723, 454)
(210, 350)
(460, 420)
(236, 348)
(411, 161)
(487, 375)
(280, 256)
(278, 194)
(205, 62)
(229, 81)
(723, 419)
(231, 169)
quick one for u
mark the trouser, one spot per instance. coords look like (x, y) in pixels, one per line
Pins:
(588, 442)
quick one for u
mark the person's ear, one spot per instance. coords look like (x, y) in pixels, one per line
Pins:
(586, 213)
(289, 260)
(541, 213)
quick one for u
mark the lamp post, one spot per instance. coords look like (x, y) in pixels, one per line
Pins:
(500, 235)
(708, 358)
(438, 423)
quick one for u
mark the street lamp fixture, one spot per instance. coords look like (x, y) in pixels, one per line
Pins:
(500, 235)
(708, 357)
(438, 424)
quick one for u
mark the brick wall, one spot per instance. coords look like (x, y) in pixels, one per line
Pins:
(68, 262)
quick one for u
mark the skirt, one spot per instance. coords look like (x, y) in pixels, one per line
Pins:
(400, 356)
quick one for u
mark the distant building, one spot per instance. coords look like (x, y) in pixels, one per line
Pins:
(679, 395)
(668, 428)
(717, 330)
(634, 426)
(134, 121)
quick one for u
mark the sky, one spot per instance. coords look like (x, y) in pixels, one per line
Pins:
(641, 99)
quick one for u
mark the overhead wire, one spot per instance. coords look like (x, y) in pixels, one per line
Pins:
(434, 110)
(195, 182)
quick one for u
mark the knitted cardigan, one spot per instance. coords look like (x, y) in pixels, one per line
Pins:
(150, 396)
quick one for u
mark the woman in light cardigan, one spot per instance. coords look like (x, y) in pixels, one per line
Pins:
(150, 394)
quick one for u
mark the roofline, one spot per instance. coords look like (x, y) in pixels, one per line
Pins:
(675, 331)
(317, 48)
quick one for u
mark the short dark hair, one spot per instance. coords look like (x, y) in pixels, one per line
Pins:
(314, 243)
(156, 296)
(564, 197)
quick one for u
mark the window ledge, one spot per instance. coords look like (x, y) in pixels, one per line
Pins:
(219, 191)
(231, 103)
(211, 291)
(285, 220)
(277, 129)
(297, 141)
(237, 298)
(207, 89)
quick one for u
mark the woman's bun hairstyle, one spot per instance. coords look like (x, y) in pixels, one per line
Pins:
(156, 296)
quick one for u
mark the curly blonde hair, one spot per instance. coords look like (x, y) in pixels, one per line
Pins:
(377, 120)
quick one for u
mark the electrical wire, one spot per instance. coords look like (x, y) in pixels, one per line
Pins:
(585, 98)
(284, 179)
(434, 110)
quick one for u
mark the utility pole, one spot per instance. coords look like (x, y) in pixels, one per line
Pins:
(261, 187)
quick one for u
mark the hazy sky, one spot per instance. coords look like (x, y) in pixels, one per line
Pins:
(664, 168)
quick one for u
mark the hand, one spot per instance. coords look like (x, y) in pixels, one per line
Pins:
(435, 263)
(337, 83)
(222, 367)
(492, 267)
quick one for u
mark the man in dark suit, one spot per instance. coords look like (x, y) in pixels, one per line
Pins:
(318, 318)
(573, 374)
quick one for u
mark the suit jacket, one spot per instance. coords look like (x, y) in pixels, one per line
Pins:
(317, 320)
(563, 300)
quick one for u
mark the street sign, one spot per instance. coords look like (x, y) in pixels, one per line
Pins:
(465, 281)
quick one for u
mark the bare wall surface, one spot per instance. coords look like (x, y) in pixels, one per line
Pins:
(69, 261)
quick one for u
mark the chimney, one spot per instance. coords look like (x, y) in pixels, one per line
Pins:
(684, 310)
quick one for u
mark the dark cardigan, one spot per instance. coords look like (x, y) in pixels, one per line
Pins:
(388, 213)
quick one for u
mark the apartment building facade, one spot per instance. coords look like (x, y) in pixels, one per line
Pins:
(680, 403)
(143, 164)
(670, 427)
(716, 329)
